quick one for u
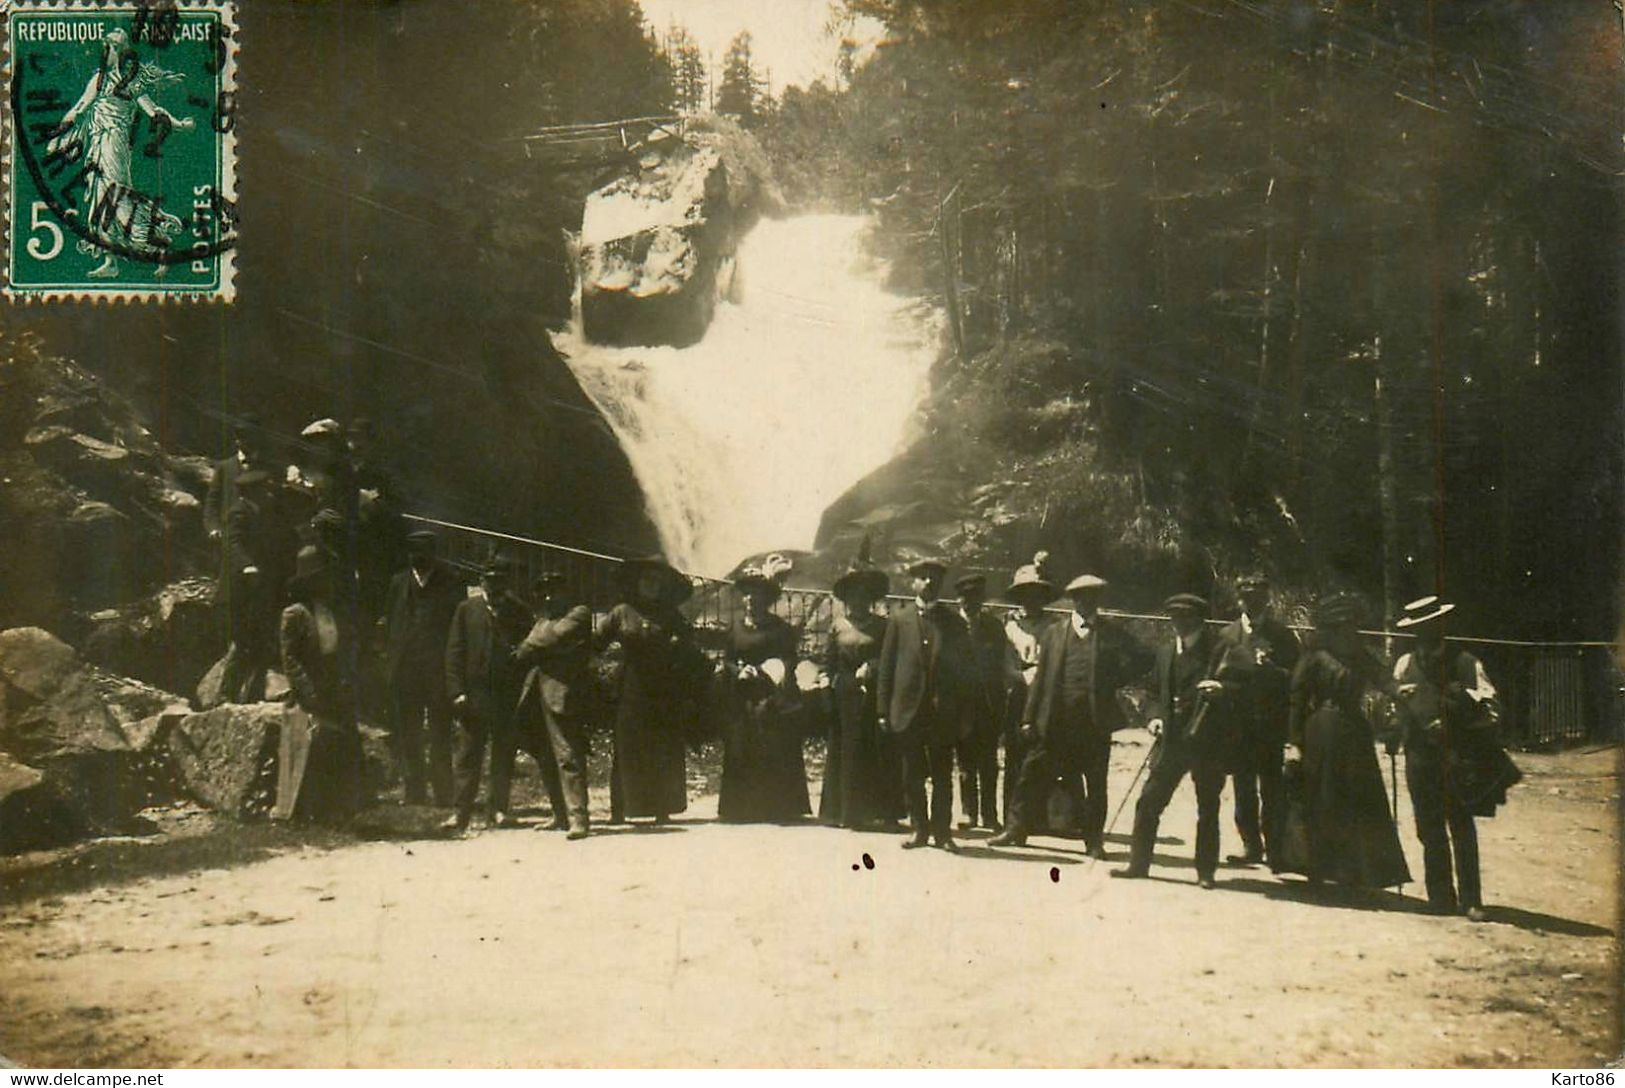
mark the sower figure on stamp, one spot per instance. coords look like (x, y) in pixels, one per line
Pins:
(1259, 653)
(417, 618)
(100, 125)
(1071, 713)
(1192, 738)
(1446, 712)
(923, 691)
(556, 691)
(979, 750)
(483, 683)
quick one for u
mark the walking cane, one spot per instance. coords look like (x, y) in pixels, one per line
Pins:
(1393, 783)
(1121, 805)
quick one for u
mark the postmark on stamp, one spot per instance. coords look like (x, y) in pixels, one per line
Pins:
(120, 149)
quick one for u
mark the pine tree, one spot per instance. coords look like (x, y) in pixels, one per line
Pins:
(690, 80)
(742, 86)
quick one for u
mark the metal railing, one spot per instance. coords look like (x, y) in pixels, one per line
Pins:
(1551, 693)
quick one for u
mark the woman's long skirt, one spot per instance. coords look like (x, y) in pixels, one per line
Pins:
(1347, 833)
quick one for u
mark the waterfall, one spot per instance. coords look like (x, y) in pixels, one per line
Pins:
(806, 380)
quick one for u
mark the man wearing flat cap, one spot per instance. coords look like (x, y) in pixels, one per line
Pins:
(1191, 739)
(1447, 713)
(417, 618)
(482, 682)
(979, 749)
(1258, 653)
(1071, 712)
(923, 691)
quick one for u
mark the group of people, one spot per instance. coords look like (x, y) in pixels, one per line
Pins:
(905, 696)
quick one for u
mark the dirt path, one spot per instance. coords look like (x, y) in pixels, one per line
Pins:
(705, 944)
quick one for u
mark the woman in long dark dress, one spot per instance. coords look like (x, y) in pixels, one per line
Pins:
(763, 775)
(862, 781)
(320, 766)
(1349, 835)
(660, 680)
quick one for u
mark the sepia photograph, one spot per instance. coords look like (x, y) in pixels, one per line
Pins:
(812, 534)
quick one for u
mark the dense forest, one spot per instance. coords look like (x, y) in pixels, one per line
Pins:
(1331, 288)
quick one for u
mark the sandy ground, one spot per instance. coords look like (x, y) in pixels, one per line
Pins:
(704, 944)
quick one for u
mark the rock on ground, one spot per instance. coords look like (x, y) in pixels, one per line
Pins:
(226, 758)
(65, 730)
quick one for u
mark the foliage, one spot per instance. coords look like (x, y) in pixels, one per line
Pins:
(1309, 272)
(744, 90)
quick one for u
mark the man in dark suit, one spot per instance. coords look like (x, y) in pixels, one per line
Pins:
(417, 617)
(482, 682)
(1071, 712)
(923, 692)
(261, 546)
(1191, 739)
(555, 695)
(249, 451)
(1256, 655)
(979, 750)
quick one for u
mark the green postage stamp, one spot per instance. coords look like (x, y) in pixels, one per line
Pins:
(119, 149)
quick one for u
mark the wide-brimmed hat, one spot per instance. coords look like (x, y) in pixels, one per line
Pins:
(970, 583)
(861, 579)
(322, 428)
(420, 540)
(1252, 580)
(928, 567)
(1336, 610)
(765, 575)
(1186, 602)
(675, 586)
(1086, 583)
(1028, 584)
(1424, 610)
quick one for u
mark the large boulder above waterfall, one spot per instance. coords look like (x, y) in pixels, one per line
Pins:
(656, 244)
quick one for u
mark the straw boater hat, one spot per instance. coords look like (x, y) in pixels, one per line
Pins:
(1424, 610)
(322, 428)
(675, 586)
(1085, 583)
(1028, 585)
(1186, 602)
